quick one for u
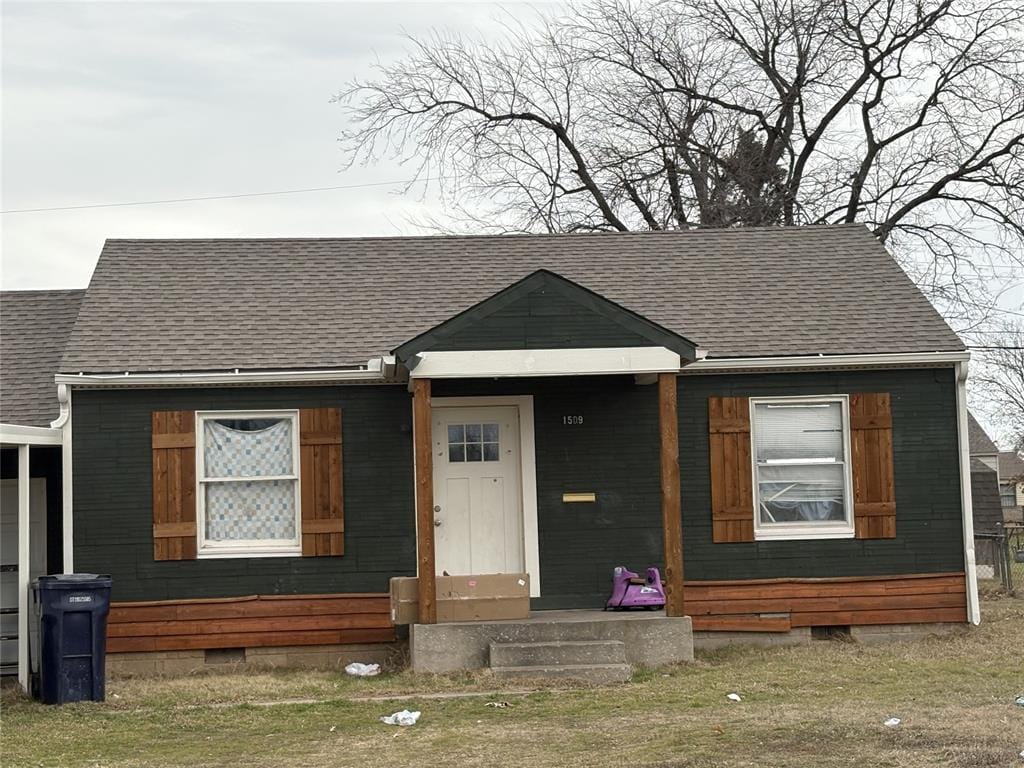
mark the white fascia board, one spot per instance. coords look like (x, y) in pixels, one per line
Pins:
(16, 434)
(812, 362)
(544, 362)
(373, 372)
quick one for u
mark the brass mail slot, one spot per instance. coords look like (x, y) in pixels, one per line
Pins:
(576, 498)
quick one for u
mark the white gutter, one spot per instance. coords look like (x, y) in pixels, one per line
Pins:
(63, 422)
(966, 501)
(811, 362)
(377, 369)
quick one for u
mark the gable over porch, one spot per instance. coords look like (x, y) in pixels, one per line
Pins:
(541, 327)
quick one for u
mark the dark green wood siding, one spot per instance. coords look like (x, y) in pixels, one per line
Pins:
(542, 319)
(113, 481)
(614, 453)
(929, 533)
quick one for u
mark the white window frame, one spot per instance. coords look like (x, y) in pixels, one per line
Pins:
(831, 529)
(243, 547)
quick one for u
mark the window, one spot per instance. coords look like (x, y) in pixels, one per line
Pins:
(248, 483)
(1007, 496)
(801, 469)
(473, 442)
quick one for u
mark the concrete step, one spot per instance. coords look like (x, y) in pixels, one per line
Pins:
(557, 653)
(542, 631)
(601, 674)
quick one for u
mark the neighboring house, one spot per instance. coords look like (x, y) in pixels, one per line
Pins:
(34, 327)
(777, 413)
(984, 478)
(1011, 486)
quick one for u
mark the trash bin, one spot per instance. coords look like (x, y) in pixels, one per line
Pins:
(72, 609)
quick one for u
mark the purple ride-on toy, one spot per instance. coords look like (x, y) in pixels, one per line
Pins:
(630, 590)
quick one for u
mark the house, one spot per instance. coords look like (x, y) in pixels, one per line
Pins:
(262, 433)
(1011, 486)
(34, 327)
(985, 500)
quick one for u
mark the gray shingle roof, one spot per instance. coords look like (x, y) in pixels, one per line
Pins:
(34, 327)
(1011, 466)
(978, 439)
(176, 305)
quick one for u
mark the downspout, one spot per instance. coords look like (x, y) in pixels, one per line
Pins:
(63, 423)
(966, 502)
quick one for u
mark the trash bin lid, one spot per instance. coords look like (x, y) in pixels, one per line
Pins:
(73, 581)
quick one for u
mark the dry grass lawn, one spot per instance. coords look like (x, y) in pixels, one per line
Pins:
(821, 705)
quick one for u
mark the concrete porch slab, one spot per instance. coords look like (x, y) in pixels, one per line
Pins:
(651, 639)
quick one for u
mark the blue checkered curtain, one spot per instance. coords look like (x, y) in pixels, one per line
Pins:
(249, 510)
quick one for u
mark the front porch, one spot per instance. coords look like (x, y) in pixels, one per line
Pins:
(614, 470)
(596, 646)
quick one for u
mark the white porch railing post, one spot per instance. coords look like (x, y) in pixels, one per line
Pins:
(24, 528)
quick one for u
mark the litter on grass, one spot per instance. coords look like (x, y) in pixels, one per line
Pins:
(1019, 701)
(734, 697)
(498, 704)
(405, 717)
(892, 722)
(362, 670)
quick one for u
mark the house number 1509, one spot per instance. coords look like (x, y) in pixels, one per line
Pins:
(573, 420)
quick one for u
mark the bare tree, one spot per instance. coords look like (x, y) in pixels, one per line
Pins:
(907, 115)
(999, 381)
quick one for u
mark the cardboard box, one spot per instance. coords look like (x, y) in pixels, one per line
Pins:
(484, 597)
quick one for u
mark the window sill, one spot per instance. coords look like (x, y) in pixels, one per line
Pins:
(220, 554)
(803, 534)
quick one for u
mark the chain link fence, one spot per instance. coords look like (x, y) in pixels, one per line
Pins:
(1000, 557)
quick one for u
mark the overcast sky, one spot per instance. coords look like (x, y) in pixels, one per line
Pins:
(110, 102)
(119, 102)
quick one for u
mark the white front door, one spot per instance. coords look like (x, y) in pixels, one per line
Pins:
(477, 496)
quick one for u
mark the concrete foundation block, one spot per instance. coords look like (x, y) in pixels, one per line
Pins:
(875, 634)
(709, 641)
(176, 663)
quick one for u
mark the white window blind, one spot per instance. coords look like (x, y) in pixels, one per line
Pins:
(800, 465)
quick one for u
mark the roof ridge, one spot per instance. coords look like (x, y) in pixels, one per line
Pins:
(729, 231)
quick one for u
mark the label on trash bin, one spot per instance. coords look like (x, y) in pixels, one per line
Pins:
(80, 599)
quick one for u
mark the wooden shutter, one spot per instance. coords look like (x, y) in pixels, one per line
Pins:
(874, 485)
(174, 485)
(323, 519)
(732, 494)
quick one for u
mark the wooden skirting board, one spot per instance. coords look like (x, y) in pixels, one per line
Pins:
(250, 622)
(762, 605)
(778, 605)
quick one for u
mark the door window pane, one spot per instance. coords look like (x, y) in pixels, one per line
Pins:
(473, 442)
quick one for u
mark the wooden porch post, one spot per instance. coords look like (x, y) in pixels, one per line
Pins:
(424, 453)
(671, 508)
